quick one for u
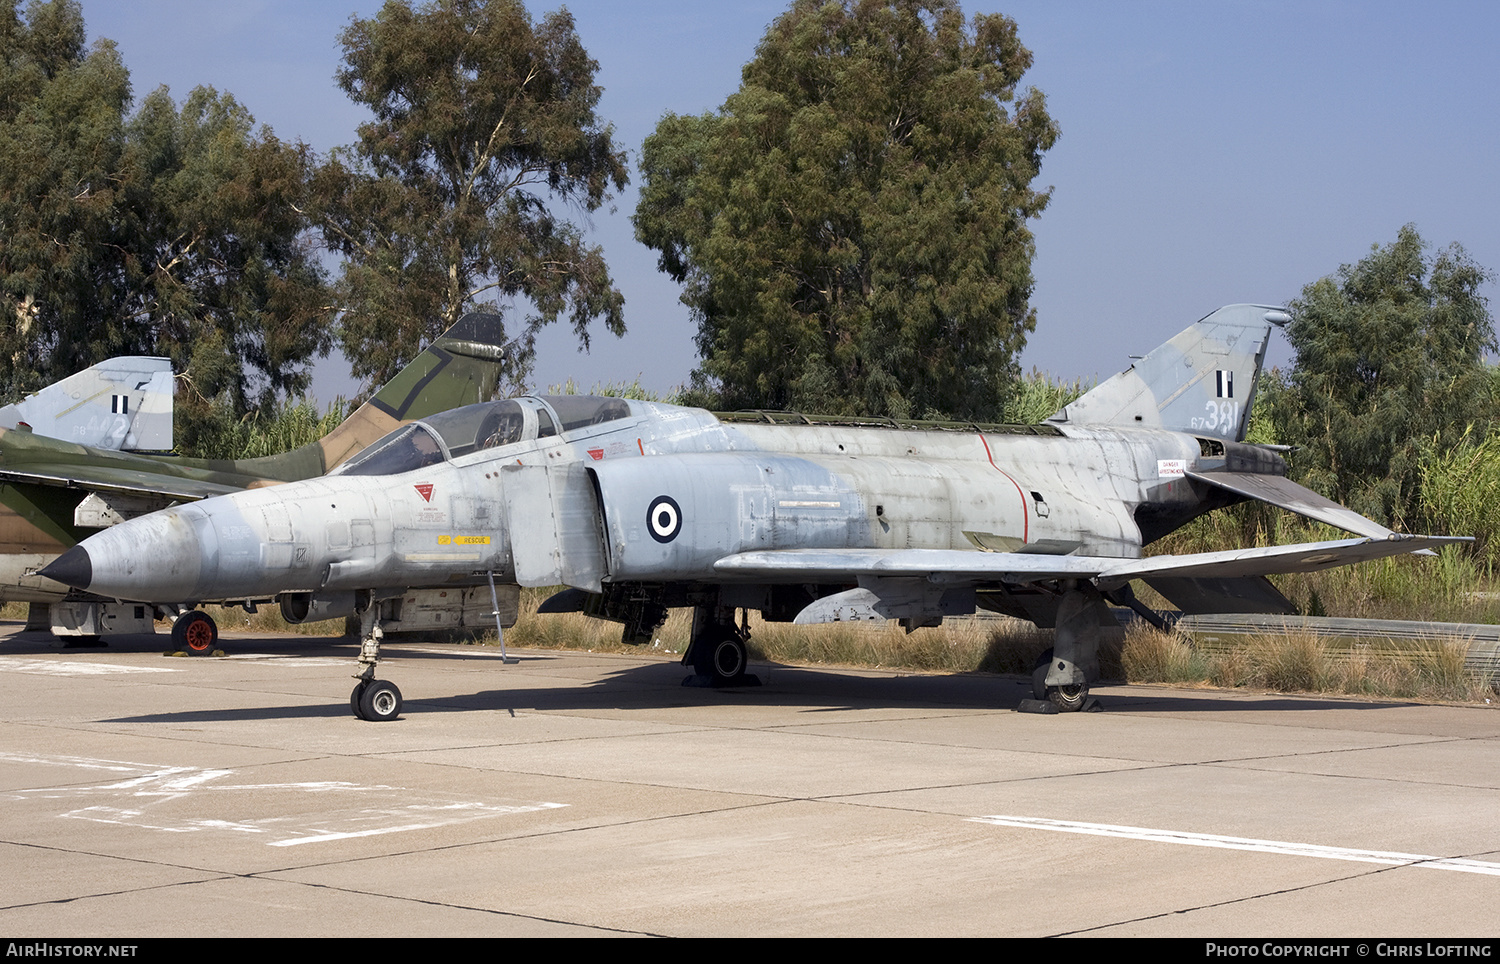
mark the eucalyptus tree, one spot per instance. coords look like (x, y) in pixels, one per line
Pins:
(484, 129)
(850, 227)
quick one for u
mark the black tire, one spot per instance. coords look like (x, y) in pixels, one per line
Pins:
(1068, 699)
(1039, 675)
(359, 690)
(723, 659)
(195, 633)
(380, 702)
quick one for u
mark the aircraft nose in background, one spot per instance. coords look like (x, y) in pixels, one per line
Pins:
(155, 558)
(72, 568)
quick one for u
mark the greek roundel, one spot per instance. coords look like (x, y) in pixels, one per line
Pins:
(664, 518)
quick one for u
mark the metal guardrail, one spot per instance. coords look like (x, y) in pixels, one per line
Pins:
(1224, 632)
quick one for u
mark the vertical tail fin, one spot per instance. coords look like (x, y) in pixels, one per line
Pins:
(1202, 381)
(121, 404)
(461, 367)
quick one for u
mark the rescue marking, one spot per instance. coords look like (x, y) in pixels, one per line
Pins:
(664, 518)
(1390, 858)
(463, 540)
(58, 667)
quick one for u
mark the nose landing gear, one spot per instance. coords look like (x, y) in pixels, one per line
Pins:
(373, 700)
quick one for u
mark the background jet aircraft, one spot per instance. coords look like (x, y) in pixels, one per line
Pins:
(54, 493)
(124, 404)
(639, 507)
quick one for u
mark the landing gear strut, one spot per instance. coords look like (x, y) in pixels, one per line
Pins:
(717, 652)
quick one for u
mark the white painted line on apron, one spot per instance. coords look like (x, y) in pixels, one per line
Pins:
(1391, 858)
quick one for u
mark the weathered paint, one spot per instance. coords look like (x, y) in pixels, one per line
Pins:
(661, 496)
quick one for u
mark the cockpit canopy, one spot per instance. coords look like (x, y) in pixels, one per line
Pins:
(473, 428)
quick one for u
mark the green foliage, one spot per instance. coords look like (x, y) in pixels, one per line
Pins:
(291, 425)
(484, 126)
(1459, 492)
(1389, 372)
(1036, 396)
(168, 232)
(280, 427)
(633, 389)
(850, 227)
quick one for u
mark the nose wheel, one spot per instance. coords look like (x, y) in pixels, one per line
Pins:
(375, 700)
(195, 633)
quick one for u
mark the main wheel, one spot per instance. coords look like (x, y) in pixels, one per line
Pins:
(1069, 699)
(195, 633)
(723, 660)
(380, 701)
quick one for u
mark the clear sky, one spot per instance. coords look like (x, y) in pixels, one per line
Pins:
(1211, 153)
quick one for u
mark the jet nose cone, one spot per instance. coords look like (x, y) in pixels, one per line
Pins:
(72, 568)
(156, 558)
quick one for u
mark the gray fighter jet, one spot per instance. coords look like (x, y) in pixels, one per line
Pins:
(639, 507)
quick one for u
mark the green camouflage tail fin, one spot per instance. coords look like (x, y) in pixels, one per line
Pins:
(1202, 381)
(461, 367)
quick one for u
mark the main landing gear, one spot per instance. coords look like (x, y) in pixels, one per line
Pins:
(717, 651)
(1060, 681)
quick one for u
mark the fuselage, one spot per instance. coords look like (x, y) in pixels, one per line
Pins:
(646, 492)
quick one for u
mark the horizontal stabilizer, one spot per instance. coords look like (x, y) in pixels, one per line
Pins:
(125, 482)
(1282, 492)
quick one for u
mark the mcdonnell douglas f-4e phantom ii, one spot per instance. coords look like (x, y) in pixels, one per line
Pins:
(54, 493)
(638, 507)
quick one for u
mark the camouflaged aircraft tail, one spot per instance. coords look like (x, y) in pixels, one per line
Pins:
(461, 367)
(1202, 381)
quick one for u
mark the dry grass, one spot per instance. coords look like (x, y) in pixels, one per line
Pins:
(1152, 656)
(1297, 662)
(960, 646)
(1303, 662)
(267, 619)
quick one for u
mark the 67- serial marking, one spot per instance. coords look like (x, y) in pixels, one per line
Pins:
(1221, 414)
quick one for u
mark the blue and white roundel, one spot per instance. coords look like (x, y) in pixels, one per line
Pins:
(664, 518)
